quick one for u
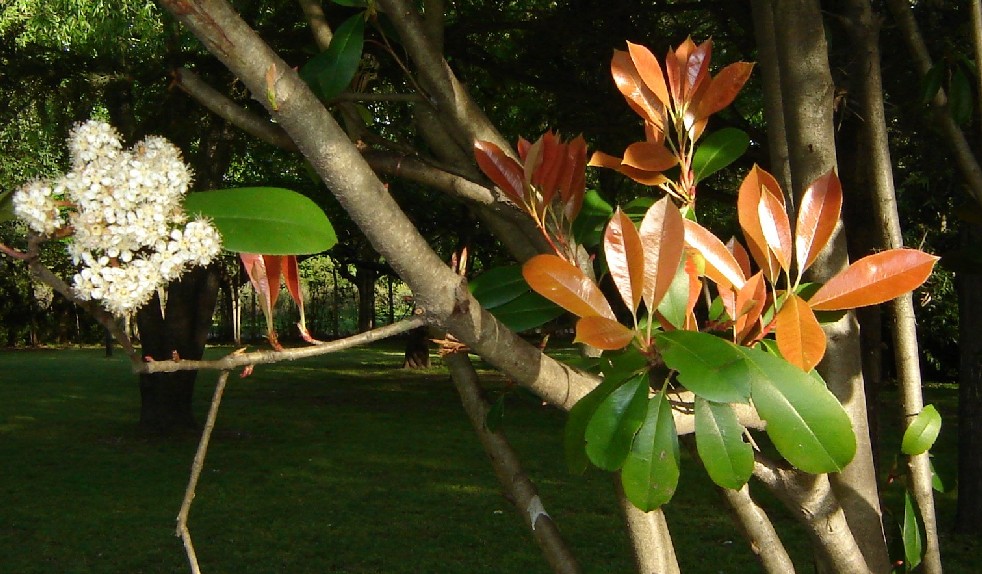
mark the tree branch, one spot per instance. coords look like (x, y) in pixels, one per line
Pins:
(313, 10)
(196, 466)
(235, 360)
(507, 467)
(650, 539)
(759, 531)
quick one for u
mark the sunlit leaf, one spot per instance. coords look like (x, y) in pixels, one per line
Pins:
(723, 88)
(922, 431)
(565, 285)
(818, 215)
(651, 178)
(651, 470)
(913, 544)
(674, 306)
(804, 420)
(649, 70)
(663, 237)
(625, 258)
(649, 156)
(268, 220)
(756, 182)
(718, 150)
(776, 227)
(740, 254)
(748, 306)
(721, 267)
(639, 96)
(617, 419)
(603, 333)
(719, 440)
(800, 338)
(709, 366)
(503, 170)
(875, 279)
(330, 72)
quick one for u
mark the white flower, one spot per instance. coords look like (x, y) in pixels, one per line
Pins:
(92, 139)
(36, 204)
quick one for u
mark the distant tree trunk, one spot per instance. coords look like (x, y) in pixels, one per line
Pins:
(365, 282)
(969, 517)
(165, 398)
(417, 350)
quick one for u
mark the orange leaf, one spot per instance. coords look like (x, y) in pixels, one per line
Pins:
(255, 266)
(504, 171)
(603, 333)
(799, 336)
(721, 267)
(600, 159)
(749, 305)
(875, 279)
(776, 228)
(650, 71)
(663, 238)
(740, 254)
(565, 285)
(818, 215)
(723, 89)
(649, 156)
(695, 290)
(639, 96)
(754, 184)
(625, 258)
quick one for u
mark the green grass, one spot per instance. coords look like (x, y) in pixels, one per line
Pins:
(344, 463)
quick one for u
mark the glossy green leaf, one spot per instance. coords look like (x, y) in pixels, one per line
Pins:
(527, 311)
(330, 72)
(922, 431)
(913, 544)
(7, 205)
(651, 470)
(804, 420)
(574, 434)
(498, 286)
(588, 228)
(709, 366)
(623, 364)
(675, 304)
(960, 98)
(637, 208)
(617, 419)
(719, 440)
(267, 220)
(936, 483)
(931, 82)
(718, 150)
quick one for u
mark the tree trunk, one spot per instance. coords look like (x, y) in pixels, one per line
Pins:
(417, 350)
(365, 282)
(165, 398)
(969, 516)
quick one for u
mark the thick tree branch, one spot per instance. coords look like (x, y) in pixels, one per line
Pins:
(507, 467)
(313, 10)
(650, 538)
(759, 531)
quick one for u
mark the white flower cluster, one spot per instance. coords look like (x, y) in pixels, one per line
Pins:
(122, 210)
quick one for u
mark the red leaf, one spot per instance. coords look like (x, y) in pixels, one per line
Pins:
(565, 285)
(776, 228)
(639, 96)
(722, 89)
(721, 267)
(603, 333)
(625, 258)
(504, 171)
(799, 336)
(600, 159)
(291, 276)
(650, 71)
(649, 156)
(255, 266)
(663, 237)
(754, 184)
(875, 279)
(274, 267)
(818, 215)
(749, 305)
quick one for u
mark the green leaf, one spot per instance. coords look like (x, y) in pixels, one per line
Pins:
(330, 72)
(804, 420)
(936, 483)
(527, 311)
(651, 470)
(611, 430)
(719, 440)
(623, 364)
(911, 535)
(960, 98)
(931, 83)
(265, 220)
(638, 207)
(574, 434)
(498, 286)
(675, 303)
(352, 3)
(718, 150)
(589, 226)
(709, 366)
(496, 415)
(7, 206)
(922, 431)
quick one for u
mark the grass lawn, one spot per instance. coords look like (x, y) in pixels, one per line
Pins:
(343, 464)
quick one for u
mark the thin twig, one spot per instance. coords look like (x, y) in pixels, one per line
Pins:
(11, 252)
(234, 360)
(196, 466)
